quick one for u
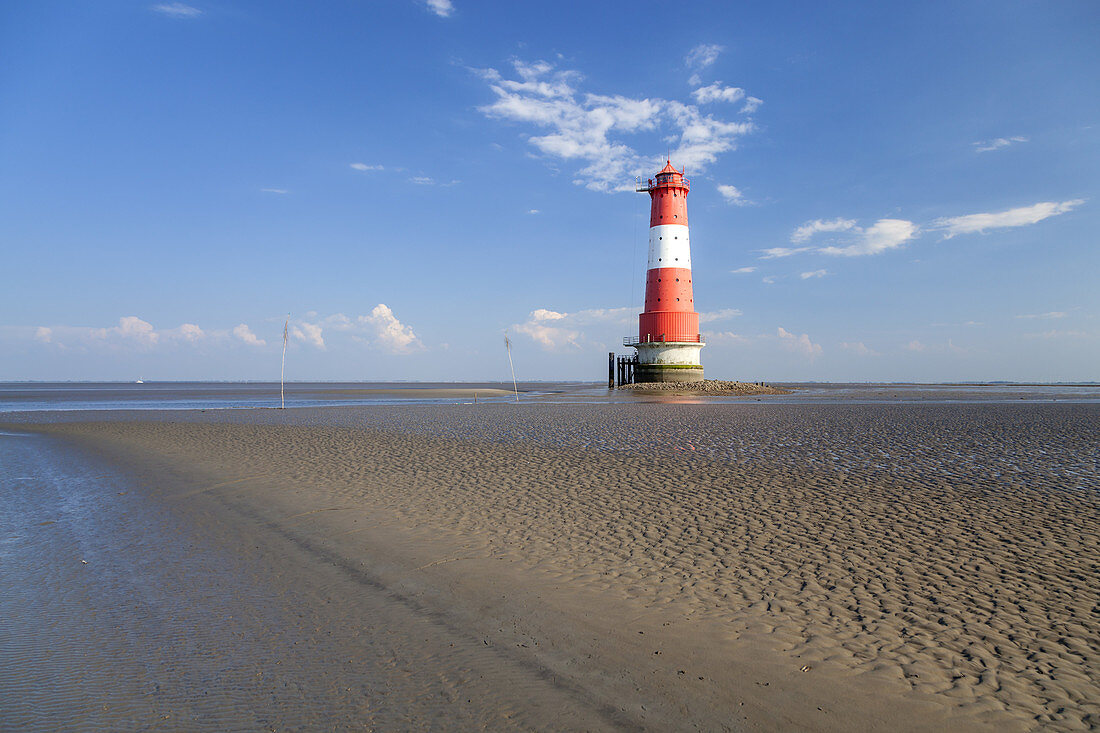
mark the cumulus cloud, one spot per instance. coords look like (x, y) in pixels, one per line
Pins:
(717, 93)
(732, 195)
(380, 328)
(810, 228)
(364, 167)
(390, 333)
(244, 333)
(310, 333)
(814, 273)
(129, 328)
(533, 211)
(915, 345)
(981, 223)
(177, 10)
(548, 328)
(798, 343)
(134, 332)
(422, 180)
(590, 128)
(883, 235)
(187, 332)
(984, 146)
(743, 270)
(442, 8)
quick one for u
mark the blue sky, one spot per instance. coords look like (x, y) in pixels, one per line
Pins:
(887, 191)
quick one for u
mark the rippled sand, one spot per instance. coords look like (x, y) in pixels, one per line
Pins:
(739, 566)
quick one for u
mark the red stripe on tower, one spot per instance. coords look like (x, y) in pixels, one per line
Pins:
(668, 329)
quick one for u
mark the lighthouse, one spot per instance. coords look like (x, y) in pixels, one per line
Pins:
(668, 341)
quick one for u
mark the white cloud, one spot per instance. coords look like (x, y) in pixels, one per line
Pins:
(533, 211)
(1011, 218)
(177, 10)
(1056, 334)
(717, 93)
(799, 343)
(703, 55)
(133, 331)
(724, 337)
(422, 180)
(743, 270)
(546, 328)
(274, 190)
(777, 252)
(130, 328)
(442, 8)
(364, 167)
(751, 105)
(244, 333)
(883, 235)
(557, 329)
(389, 332)
(1051, 314)
(769, 280)
(859, 348)
(810, 228)
(915, 345)
(186, 332)
(719, 315)
(589, 128)
(310, 333)
(814, 273)
(985, 146)
(732, 195)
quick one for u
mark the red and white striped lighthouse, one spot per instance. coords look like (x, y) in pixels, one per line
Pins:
(668, 331)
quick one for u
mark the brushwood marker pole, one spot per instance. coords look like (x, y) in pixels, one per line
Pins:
(508, 346)
(282, 369)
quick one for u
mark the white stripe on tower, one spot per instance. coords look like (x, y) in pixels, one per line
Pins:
(669, 246)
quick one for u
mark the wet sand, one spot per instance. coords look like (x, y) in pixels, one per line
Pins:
(662, 566)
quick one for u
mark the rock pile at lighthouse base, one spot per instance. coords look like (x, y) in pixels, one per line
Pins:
(708, 387)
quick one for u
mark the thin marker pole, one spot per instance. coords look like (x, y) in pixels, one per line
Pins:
(282, 369)
(508, 346)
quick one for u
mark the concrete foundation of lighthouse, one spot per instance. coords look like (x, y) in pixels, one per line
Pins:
(669, 361)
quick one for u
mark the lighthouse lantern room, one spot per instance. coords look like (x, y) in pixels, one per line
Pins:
(668, 340)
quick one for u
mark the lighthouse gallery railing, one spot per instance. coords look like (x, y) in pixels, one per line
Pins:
(677, 338)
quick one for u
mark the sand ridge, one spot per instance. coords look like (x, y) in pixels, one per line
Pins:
(975, 588)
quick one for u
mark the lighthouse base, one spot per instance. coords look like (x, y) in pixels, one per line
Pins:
(669, 361)
(668, 373)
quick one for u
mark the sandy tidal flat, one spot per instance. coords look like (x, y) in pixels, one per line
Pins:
(677, 566)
